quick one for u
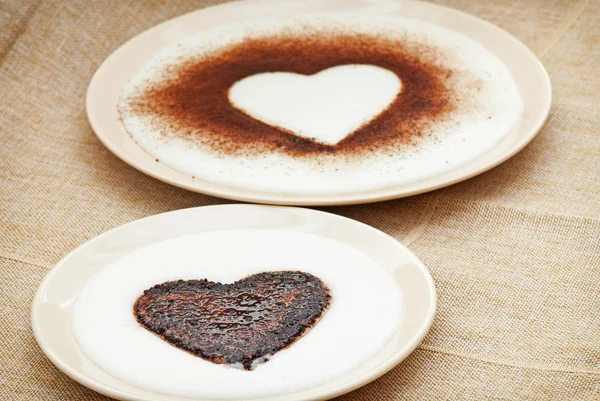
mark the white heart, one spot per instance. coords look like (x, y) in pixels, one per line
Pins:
(325, 107)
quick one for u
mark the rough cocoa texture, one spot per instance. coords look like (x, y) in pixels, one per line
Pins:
(234, 323)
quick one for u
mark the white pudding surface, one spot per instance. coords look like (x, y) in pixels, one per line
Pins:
(326, 107)
(488, 108)
(366, 310)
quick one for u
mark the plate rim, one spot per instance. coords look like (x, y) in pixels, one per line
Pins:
(350, 198)
(378, 371)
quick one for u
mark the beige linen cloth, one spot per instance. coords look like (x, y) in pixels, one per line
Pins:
(515, 252)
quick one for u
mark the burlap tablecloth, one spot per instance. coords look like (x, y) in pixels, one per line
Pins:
(515, 252)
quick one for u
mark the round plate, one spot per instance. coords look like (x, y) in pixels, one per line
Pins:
(52, 305)
(106, 86)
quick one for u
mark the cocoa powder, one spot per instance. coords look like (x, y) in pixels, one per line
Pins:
(193, 96)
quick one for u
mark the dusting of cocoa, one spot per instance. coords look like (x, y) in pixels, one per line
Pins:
(193, 98)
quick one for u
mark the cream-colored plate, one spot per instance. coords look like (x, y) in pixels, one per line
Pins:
(106, 85)
(51, 310)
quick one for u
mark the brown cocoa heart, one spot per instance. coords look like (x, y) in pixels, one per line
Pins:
(240, 323)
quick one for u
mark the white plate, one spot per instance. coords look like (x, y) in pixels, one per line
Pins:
(106, 86)
(53, 302)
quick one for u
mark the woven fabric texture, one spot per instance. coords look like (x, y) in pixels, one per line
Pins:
(515, 252)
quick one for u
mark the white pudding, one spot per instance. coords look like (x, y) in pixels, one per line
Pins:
(366, 310)
(333, 94)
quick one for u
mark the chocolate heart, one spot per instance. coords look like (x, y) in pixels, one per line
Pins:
(240, 323)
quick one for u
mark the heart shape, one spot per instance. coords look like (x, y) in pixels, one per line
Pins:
(241, 323)
(325, 107)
